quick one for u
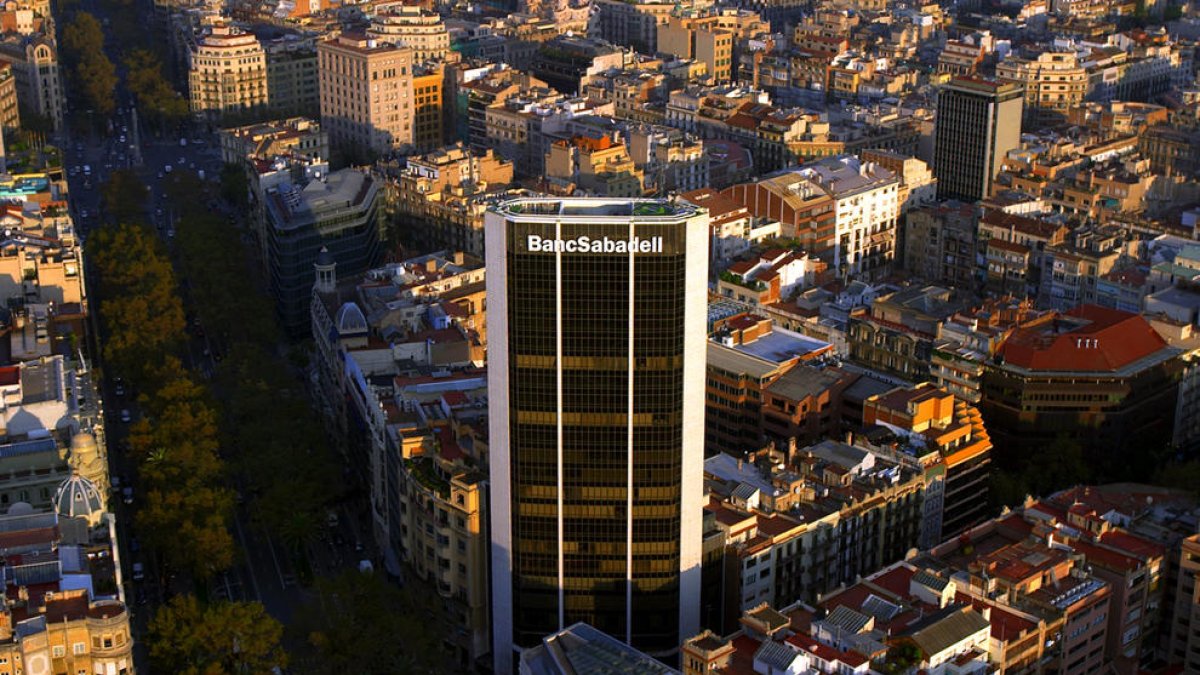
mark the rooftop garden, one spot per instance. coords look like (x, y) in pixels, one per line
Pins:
(751, 284)
(426, 473)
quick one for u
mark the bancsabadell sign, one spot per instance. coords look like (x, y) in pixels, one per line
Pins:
(586, 244)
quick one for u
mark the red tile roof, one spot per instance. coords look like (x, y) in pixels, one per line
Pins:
(1108, 341)
(1005, 625)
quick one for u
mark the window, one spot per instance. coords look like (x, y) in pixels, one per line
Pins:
(79, 648)
(58, 651)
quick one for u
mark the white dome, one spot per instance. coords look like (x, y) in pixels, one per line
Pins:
(77, 497)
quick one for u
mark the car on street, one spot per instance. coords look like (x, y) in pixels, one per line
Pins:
(134, 545)
(141, 596)
(119, 389)
(139, 571)
(116, 481)
(127, 494)
(126, 416)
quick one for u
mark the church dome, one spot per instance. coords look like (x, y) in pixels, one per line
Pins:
(77, 497)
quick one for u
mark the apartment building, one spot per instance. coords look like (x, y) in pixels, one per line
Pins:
(37, 73)
(1184, 629)
(444, 194)
(804, 212)
(300, 136)
(599, 166)
(940, 244)
(793, 526)
(1014, 247)
(412, 26)
(629, 23)
(734, 228)
(10, 113)
(946, 437)
(1055, 84)
(52, 621)
(702, 38)
(227, 73)
(292, 83)
(366, 89)
(897, 333)
(866, 208)
(567, 62)
(428, 114)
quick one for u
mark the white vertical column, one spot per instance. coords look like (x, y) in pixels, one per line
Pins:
(629, 457)
(558, 370)
(692, 479)
(500, 478)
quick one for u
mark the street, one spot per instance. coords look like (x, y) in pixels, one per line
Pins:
(265, 571)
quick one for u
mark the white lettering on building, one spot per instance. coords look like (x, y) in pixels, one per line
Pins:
(586, 244)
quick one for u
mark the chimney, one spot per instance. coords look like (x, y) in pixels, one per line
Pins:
(849, 438)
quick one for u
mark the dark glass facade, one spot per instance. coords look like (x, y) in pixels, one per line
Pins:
(571, 354)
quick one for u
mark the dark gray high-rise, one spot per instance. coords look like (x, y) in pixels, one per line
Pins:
(978, 122)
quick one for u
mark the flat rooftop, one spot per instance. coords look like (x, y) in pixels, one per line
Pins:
(587, 208)
(782, 345)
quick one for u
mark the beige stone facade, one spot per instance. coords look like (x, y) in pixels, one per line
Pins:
(1055, 84)
(366, 94)
(415, 27)
(10, 116)
(227, 73)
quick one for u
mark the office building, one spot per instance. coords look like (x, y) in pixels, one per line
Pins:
(596, 324)
(227, 73)
(1102, 376)
(366, 89)
(978, 122)
(338, 212)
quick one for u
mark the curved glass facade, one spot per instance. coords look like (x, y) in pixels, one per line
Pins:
(596, 348)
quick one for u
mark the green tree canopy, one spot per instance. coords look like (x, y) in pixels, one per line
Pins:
(156, 98)
(227, 637)
(123, 197)
(87, 64)
(360, 623)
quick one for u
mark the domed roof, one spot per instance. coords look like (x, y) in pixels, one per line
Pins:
(83, 442)
(77, 497)
(350, 320)
(325, 258)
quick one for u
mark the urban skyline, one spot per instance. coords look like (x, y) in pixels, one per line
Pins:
(693, 337)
